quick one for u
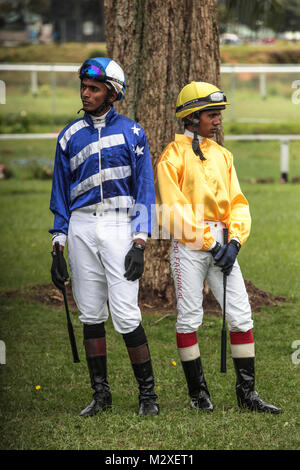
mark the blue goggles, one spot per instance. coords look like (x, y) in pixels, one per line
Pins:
(96, 73)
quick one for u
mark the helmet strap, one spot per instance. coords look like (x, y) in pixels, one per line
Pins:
(195, 142)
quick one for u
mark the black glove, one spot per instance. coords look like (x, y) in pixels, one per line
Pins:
(59, 270)
(226, 255)
(134, 262)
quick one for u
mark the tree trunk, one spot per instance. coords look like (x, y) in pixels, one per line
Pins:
(162, 46)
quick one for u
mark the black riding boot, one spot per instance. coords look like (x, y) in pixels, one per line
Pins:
(247, 397)
(198, 391)
(139, 354)
(147, 398)
(95, 348)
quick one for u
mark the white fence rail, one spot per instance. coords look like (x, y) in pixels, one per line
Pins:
(262, 70)
(50, 135)
(233, 69)
(284, 140)
(40, 67)
(225, 68)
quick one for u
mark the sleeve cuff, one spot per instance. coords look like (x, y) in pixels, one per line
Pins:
(212, 246)
(59, 237)
(142, 235)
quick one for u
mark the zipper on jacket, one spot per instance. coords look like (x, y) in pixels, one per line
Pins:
(100, 205)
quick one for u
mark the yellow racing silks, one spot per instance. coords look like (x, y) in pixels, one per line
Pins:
(190, 191)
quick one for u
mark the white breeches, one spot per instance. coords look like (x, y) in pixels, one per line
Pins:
(190, 269)
(97, 246)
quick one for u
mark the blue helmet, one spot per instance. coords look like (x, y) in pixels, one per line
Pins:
(104, 70)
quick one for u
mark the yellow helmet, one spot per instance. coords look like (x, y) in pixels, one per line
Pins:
(199, 96)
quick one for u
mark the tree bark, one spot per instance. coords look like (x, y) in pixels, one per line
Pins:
(161, 46)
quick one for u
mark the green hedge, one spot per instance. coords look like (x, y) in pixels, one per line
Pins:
(31, 123)
(284, 127)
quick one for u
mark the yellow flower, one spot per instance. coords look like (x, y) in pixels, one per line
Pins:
(37, 387)
(174, 363)
(158, 387)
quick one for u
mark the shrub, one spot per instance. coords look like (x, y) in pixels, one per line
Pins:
(40, 172)
(5, 172)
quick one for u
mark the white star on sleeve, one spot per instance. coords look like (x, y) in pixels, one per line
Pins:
(139, 150)
(136, 130)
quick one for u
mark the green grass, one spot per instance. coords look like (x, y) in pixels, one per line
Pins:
(52, 53)
(248, 105)
(255, 160)
(265, 259)
(25, 243)
(21, 104)
(22, 151)
(35, 335)
(49, 110)
(38, 355)
(247, 114)
(38, 352)
(279, 52)
(22, 156)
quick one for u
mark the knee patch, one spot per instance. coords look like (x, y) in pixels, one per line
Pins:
(135, 338)
(93, 331)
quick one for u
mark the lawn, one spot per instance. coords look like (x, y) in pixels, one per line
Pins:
(43, 391)
(245, 101)
(60, 98)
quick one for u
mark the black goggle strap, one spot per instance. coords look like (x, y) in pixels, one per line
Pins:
(219, 95)
(195, 143)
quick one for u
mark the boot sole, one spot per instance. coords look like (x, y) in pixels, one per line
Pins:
(245, 407)
(147, 411)
(93, 413)
(196, 407)
(205, 410)
(86, 413)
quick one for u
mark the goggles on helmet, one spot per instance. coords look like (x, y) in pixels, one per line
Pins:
(95, 73)
(214, 98)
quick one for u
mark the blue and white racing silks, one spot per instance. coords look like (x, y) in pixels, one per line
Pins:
(109, 167)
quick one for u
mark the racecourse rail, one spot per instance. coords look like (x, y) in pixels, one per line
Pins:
(233, 69)
(225, 68)
(284, 140)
